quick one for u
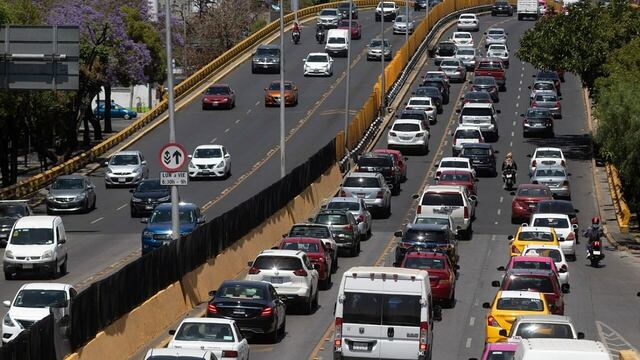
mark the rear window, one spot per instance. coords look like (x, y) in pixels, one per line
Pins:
(529, 283)
(466, 52)
(476, 112)
(375, 161)
(414, 115)
(550, 172)
(546, 97)
(551, 253)
(332, 219)
(432, 220)
(538, 113)
(381, 309)
(536, 265)
(467, 134)
(438, 199)
(543, 86)
(523, 304)
(533, 192)
(475, 151)
(484, 80)
(449, 63)
(446, 50)
(302, 246)
(535, 236)
(429, 91)
(454, 164)
(548, 154)
(551, 222)
(422, 102)
(496, 32)
(344, 205)
(362, 182)
(423, 236)
(501, 354)
(544, 331)
(490, 65)
(412, 262)
(278, 262)
(406, 127)
(310, 231)
(555, 207)
(455, 177)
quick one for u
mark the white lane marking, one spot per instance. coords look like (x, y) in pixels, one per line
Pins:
(257, 103)
(475, 303)
(495, 223)
(237, 121)
(445, 142)
(519, 88)
(514, 123)
(513, 133)
(472, 321)
(489, 252)
(517, 105)
(227, 130)
(510, 143)
(468, 344)
(521, 75)
(213, 140)
(499, 211)
(523, 68)
(518, 95)
(493, 237)
(501, 199)
(121, 207)
(96, 220)
(248, 111)
(612, 339)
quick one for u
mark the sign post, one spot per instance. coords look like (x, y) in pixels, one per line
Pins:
(172, 157)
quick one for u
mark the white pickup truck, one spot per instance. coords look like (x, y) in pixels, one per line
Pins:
(528, 9)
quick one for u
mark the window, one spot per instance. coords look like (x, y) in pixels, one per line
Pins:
(455, 177)
(310, 231)
(467, 134)
(423, 236)
(218, 90)
(466, 111)
(124, 160)
(376, 161)
(420, 102)
(201, 331)
(550, 173)
(381, 309)
(208, 153)
(442, 199)
(541, 331)
(164, 216)
(490, 65)
(484, 80)
(533, 192)
(501, 355)
(39, 298)
(32, 237)
(401, 310)
(548, 154)
(307, 263)
(317, 58)
(454, 164)
(344, 205)
(476, 151)
(535, 236)
(551, 222)
(432, 220)
(406, 127)
(362, 308)
(65, 183)
(332, 219)
(552, 253)
(302, 246)
(530, 283)
(412, 262)
(268, 52)
(361, 182)
(276, 86)
(537, 265)
(522, 304)
(241, 291)
(288, 263)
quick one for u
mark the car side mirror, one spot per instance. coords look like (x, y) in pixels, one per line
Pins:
(274, 248)
(190, 156)
(510, 237)
(437, 313)
(304, 60)
(310, 219)
(486, 305)
(7, 303)
(212, 293)
(172, 332)
(529, 155)
(106, 163)
(513, 193)
(457, 111)
(415, 196)
(295, 88)
(227, 156)
(265, 89)
(316, 267)
(473, 197)
(456, 267)
(144, 162)
(580, 335)
(144, 220)
(503, 333)
(249, 263)
(397, 233)
(501, 268)
(561, 238)
(62, 241)
(282, 298)
(499, 111)
(495, 283)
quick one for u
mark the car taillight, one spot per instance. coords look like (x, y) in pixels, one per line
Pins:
(428, 108)
(534, 104)
(229, 354)
(571, 236)
(574, 220)
(491, 321)
(300, 272)
(348, 228)
(563, 268)
(466, 212)
(254, 270)
(562, 163)
(361, 218)
(458, 68)
(266, 311)
(343, 193)
(437, 173)
(534, 182)
(557, 103)
(596, 243)
(533, 163)
(419, 210)
(212, 309)
(380, 195)
(424, 335)
(321, 260)
(515, 250)
(337, 333)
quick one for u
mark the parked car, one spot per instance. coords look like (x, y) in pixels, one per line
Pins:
(117, 111)
(266, 59)
(220, 336)
(219, 96)
(10, 212)
(555, 177)
(482, 157)
(384, 164)
(525, 200)
(317, 253)
(344, 228)
(157, 232)
(127, 168)
(357, 208)
(372, 188)
(147, 195)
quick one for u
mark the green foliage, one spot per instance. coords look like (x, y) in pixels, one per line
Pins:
(141, 31)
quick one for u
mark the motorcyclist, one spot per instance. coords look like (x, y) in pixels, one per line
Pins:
(296, 29)
(509, 164)
(593, 233)
(319, 33)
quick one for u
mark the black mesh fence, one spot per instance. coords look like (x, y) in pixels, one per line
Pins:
(34, 343)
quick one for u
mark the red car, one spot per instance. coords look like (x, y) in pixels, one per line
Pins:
(459, 178)
(543, 281)
(527, 197)
(356, 28)
(218, 96)
(531, 262)
(400, 160)
(316, 252)
(442, 275)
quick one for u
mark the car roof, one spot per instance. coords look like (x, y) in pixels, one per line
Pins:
(541, 246)
(308, 224)
(437, 216)
(495, 28)
(505, 345)
(372, 154)
(532, 186)
(535, 228)
(35, 221)
(550, 167)
(348, 199)
(333, 211)
(179, 352)
(45, 286)
(535, 272)
(456, 171)
(363, 174)
(416, 111)
(454, 158)
(558, 319)
(444, 188)
(127, 152)
(467, 127)
(71, 176)
(407, 121)
(548, 149)
(549, 215)
(419, 98)
(553, 346)
(478, 105)
(318, 53)
(520, 294)
(219, 85)
(302, 239)
(207, 146)
(389, 151)
(531, 258)
(490, 59)
(281, 252)
(425, 254)
(477, 145)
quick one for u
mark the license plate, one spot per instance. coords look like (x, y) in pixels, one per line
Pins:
(205, 171)
(277, 279)
(121, 180)
(360, 346)
(27, 266)
(531, 206)
(265, 66)
(238, 311)
(441, 211)
(596, 252)
(148, 207)
(361, 196)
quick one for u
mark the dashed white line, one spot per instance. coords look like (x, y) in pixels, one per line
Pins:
(213, 140)
(521, 75)
(518, 95)
(523, 68)
(227, 130)
(257, 103)
(472, 321)
(517, 105)
(96, 220)
(237, 121)
(510, 143)
(495, 223)
(493, 237)
(468, 344)
(499, 211)
(248, 111)
(121, 207)
(513, 133)
(501, 199)
(520, 82)
(514, 123)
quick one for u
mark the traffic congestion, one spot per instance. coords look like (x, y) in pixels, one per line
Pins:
(437, 204)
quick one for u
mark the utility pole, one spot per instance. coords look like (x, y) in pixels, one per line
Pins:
(383, 104)
(346, 101)
(283, 171)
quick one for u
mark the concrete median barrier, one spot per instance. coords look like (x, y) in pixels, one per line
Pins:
(629, 355)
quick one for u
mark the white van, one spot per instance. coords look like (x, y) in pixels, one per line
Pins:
(452, 200)
(384, 313)
(561, 349)
(337, 42)
(36, 243)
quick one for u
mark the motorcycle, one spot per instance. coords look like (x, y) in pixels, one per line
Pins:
(320, 35)
(509, 179)
(595, 253)
(296, 37)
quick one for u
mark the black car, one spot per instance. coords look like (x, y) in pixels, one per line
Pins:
(384, 164)
(537, 121)
(482, 157)
(557, 207)
(419, 5)
(488, 84)
(10, 212)
(428, 236)
(475, 97)
(255, 306)
(343, 7)
(441, 85)
(548, 75)
(147, 195)
(501, 7)
(432, 92)
(266, 59)
(415, 115)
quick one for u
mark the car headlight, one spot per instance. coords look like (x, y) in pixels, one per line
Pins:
(135, 199)
(166, 198)
(109, 171)
(220, 165)
(47, 254)
(6, 321)
(135, 171)
(50, 197)
(79, 197)
(8, 254)
(191, 166)
(147, 233)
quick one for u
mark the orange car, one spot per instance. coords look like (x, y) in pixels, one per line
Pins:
(272, 94)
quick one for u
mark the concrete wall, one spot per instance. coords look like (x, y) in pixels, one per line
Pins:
(129, 333)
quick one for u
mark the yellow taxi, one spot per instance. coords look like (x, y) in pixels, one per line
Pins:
(506, 306)
(532, 235)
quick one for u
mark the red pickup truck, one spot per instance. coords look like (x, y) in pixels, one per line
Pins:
(492, 67)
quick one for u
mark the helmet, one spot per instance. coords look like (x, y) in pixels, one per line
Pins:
(509, 155)
(595, 220)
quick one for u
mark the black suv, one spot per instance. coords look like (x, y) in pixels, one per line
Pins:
(441, 85)
(266, 59)
(537, 121)
(502, 7)
(433, 92)
(426, 236)
(10, 212)
(482, 157)
(384, 164)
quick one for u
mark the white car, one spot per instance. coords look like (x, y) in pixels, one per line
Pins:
(220, 336)
(567, 232)
(465, 134)
(546, 156)
(401, 25)
(386, 10)
(451, 200)
(290, 272)
(467, 55)
(31, 304)
(543, 326)
(495, 36)
(176, 354)
(318, 64)
(408, 133)
(425, 104)
(462, 38)
(210, 161)
(454, 163)
(554, 252)
(468, 22)
(499, 51)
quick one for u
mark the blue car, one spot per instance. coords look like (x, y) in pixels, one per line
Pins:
(117, 111)
(158, 229)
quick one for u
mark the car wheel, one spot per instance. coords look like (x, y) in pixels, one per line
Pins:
(369, 232)
(274, 335)
(127, 116)
(63, 267)
(314, 304)
(326, 283)
(134, 213)
(334, 265)
(387, 211)
(353, 252)
(8, 276)
(55, 273)
(283, 328)
(451, 302)
(93, 205)
(468, 234)
(49, 211)
(308, 306)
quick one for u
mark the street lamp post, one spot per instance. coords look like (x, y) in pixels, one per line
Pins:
(382, 89)
(406, 29)
(346, 101)
(282, 99)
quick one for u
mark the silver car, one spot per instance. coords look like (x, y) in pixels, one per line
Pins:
(495, 36)
(455, 70)
(371, 187)
(542, 86)
(468, 57)
(375, 50)
(401, 25)
(357, 208)
(329, 18)
(555, 177)
(126, 168)
(436, 219)
(71, 193)
(549, 101)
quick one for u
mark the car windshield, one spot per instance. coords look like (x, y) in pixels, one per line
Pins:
(38, 298)
(120, 160)
(497, 47)
(455, 177)
(302, 246)
(476, 151)
(465, 52)
(151, 185)
(543, 86)
(345, 23)
(496, 33)
(442, 199)
(67, 184)
(218, 90)
(467, 134)
(268, 52)
(561, 207)
(501, 354)
(419, 102)
(310, 231)
(432, 220)
(449, 63)
(336, 40)
(329, 12)
(551, 222)
(490, 65)
(462, 36)
(522, 304)
(317, 58)
(423, 236)
(388, 5)
(433, 83)
(12, 210)
(549, 154)
(287, 263)
(374, 161)
(551, 253)
(546, 97)
(446, 49)
(164, 216)
(529, 283)
(538, 113)
(467, 17)
(541, 331)
(30, 236)
(533, 265)
(533, 192)
(207, 153)
(400, 18)
(344, 205)
(241, 291)
(550, 172)
(414, 262)
(361, 182)
(535, 236)
(484, 80)
(377, 43)
(204, 332)
(332, 219)
(454, 164)
(550, 75)
(276, 86)
(345, 6)
(406, 127)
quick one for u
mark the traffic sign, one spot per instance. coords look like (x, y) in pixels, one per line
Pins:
(172, 157)
(174, 178)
